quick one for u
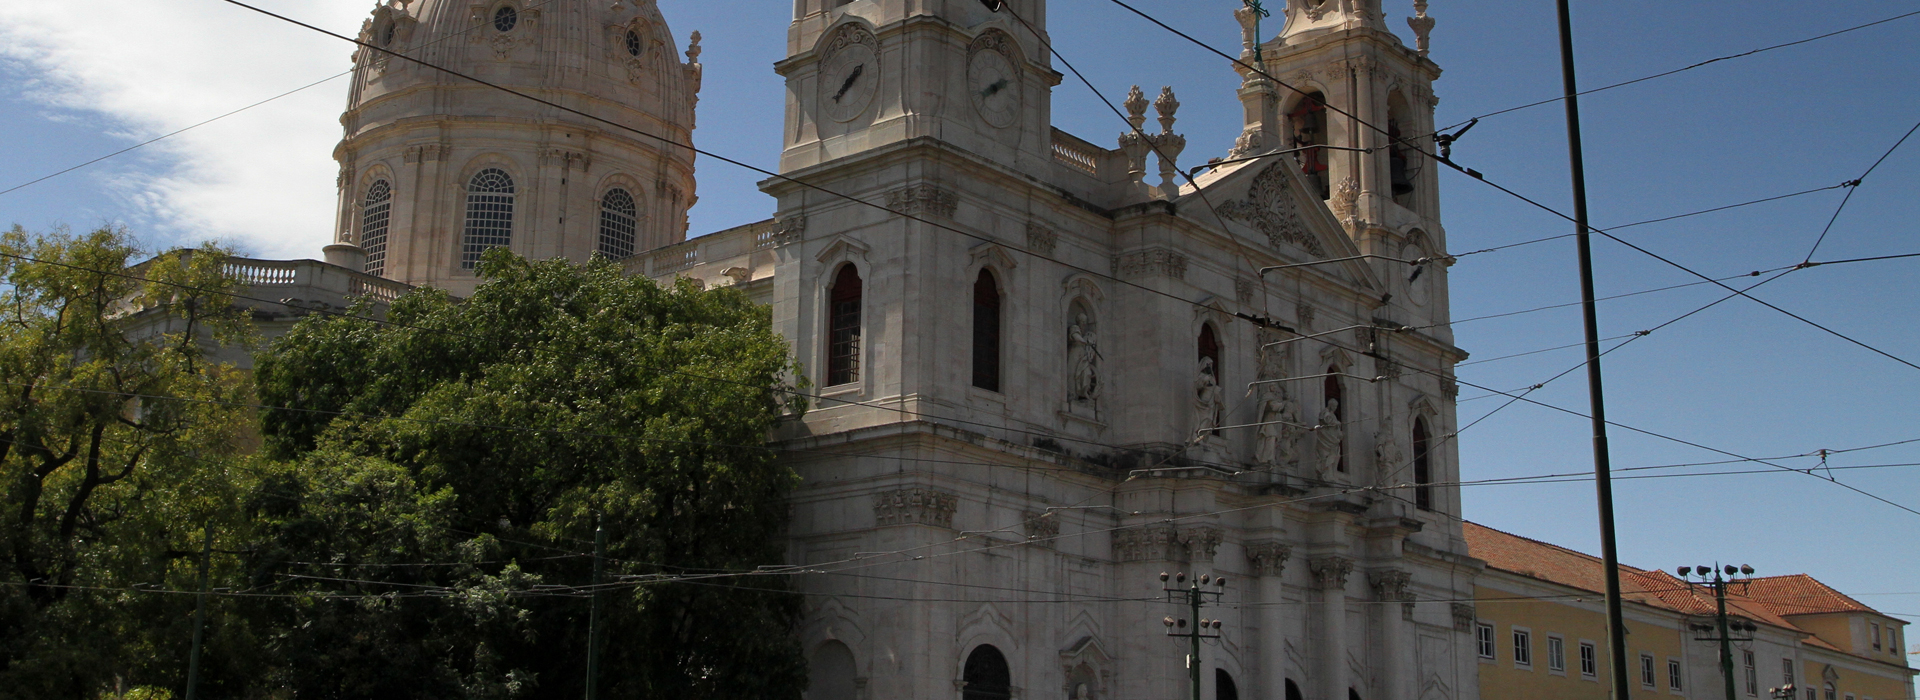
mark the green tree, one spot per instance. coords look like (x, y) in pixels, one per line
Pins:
(447, 470)
(104, 484)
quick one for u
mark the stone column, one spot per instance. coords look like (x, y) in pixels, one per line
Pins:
(1331, 575)
(1266, 561)
(1390, 588)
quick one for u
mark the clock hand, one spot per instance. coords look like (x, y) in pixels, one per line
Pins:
(995, 88)
(851, 78)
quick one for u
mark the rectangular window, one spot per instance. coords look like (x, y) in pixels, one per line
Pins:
(1556, 655)
(1646, 670)
(1589, 660)
(1753, 674)
(1673, 675)
(1484, 633)
(1876, 635)
(1786, 671)
(843, 328)
(1522, 647)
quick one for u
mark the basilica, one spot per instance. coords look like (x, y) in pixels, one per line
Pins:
(1093, 416)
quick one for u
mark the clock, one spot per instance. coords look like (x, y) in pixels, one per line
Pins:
(993, 82)
(848, 80)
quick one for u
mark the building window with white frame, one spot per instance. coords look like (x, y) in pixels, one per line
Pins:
(489, 215)
(1522, 647)
(1674, 676)
(1753, 673)
(1786, 672)
(1589, 660)
(1556, 655)
(1483, 634)
(1646, 671)
(1876, 635)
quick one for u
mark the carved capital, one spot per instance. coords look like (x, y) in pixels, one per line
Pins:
(1143, 544)
(1463, 617)
(1267, 558)
(790, 230)
(1390, 584)
(1158, 261)
(915, 506)
(1042, 239)
(923, 200)
(1201, 542)
(1042, 528)
(1331, 572)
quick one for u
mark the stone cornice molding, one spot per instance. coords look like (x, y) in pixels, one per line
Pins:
(1153, 261)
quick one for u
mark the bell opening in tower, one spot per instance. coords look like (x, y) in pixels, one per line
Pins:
(1309, 121)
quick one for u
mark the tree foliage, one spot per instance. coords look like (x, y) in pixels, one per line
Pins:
(454, 462)
(104, 484)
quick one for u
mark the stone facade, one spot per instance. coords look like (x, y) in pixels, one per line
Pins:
(1160, 404)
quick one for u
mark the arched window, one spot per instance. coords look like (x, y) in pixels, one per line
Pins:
(619, 224)
(1223, 687)
(489, 215)
(1353, 694)
(1832, 692)
(1422, 466)
(1293, 691)
(1337, 402)
(1309, 121)
(986, 332)
(1210, 347)
(1402, 158)
(843, 327)
(506, 18)
(376, 215)
(986, 675)
(831, 675)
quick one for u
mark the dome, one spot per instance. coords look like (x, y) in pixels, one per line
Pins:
(422, 146)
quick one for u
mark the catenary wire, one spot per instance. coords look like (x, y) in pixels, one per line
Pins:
(1682, 70)
(1856, 188)
(1847, 184)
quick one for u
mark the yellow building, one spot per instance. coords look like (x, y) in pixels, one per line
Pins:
(1540, 632)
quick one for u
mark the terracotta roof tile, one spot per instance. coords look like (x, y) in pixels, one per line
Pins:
(1800, 594)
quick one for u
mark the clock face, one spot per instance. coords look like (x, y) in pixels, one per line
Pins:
(994, 84)
(848, 80)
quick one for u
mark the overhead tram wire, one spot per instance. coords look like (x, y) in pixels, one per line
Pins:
(197, 125)
(1847, 184)
(1482, 178)
(1707, 62)
(1856, 188)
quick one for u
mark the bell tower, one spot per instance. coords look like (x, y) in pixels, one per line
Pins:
(863, 75)
(1341, 78)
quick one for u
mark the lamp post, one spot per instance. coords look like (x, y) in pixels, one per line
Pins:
(1785, 692)
(1194, 595)
(1712, 578)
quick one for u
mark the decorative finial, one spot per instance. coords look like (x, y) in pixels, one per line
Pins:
(693, 49)
(1166, 105)
(1136, 107)
(1422, 26)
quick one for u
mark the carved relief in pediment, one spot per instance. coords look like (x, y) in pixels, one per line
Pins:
(1270, 209)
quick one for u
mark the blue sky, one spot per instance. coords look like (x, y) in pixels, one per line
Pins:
(1738, 377)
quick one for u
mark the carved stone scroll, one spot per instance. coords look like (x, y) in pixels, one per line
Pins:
(915, 506)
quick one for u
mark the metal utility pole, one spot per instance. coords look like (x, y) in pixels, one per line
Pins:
(1721, 624)
(593, 620)
(199, 616)
(1194, 596)
(1596, 396)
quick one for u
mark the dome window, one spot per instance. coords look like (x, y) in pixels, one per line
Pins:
(633, 43)
(506, 18)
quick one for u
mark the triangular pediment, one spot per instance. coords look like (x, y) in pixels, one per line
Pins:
(1267, 202)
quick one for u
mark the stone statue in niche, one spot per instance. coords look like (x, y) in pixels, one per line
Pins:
(1388, 459)
(1333, 434)
(1208, 402)
(1279, 430)
(1083, 352)
(1080, 692)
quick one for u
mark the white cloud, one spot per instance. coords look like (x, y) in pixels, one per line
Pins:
(262, 179)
